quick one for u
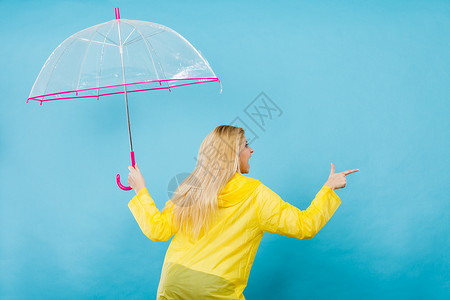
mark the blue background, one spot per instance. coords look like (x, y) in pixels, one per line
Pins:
(362, 84)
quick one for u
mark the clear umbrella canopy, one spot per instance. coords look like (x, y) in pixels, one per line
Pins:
(102, 59)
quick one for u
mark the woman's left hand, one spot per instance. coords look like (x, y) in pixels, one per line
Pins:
(135, 179)
(337, 180)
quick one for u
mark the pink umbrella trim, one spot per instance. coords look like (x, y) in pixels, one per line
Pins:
(199, 80)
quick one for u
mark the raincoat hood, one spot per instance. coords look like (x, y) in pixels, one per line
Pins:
(237, 189)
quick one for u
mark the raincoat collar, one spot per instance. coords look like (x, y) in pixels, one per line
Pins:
(237, 189)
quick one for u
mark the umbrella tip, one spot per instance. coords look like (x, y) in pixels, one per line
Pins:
(117, 13)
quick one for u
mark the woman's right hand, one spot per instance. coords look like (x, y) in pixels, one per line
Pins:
(337, 180)
(135, 179)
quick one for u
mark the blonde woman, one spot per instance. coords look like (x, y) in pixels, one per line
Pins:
(217, 217)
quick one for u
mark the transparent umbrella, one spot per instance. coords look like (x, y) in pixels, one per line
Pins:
(120, 57)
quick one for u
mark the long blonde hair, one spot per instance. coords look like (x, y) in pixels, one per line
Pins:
(195, 200)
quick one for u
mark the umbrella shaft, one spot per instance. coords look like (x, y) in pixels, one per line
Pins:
(124, 85)
(128, 119)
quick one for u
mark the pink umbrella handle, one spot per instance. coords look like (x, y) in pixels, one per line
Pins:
(133, 163)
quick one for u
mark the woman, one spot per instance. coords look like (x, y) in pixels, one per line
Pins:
(218, 217)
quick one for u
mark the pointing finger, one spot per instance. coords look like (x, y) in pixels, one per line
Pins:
(350, 171)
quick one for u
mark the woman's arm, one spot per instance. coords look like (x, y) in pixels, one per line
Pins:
(280, 217)
(155, 225)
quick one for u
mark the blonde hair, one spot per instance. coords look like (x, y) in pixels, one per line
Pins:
(195, 200)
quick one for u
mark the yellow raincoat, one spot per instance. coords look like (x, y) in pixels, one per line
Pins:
(218, 265)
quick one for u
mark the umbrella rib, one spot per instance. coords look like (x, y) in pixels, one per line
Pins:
(157, 59)
(137, 39)
(97, 42)
(196, 51)
(107, 38)
(129, 36)
(151, 56)
(54, 67)
(84, 59)
(101, 62)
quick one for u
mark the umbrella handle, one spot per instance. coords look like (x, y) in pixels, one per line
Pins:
(133, 163)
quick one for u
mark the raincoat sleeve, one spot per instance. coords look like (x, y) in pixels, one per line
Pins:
(155, 225)
(277, 216)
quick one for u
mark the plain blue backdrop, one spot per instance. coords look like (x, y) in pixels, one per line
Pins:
(362, 84)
